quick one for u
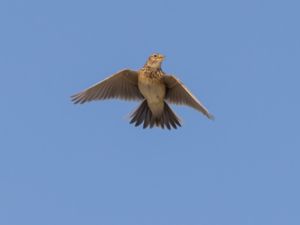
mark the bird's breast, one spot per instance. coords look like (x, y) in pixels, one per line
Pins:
(153, 90)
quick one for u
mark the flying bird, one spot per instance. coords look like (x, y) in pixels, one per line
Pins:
(150, 85)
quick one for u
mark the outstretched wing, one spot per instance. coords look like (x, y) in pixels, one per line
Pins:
(122, 85)
(177, 93)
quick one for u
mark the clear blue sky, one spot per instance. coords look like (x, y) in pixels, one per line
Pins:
(67, 164)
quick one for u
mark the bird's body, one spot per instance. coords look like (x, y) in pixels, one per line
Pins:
(149, 84)
(152, 87)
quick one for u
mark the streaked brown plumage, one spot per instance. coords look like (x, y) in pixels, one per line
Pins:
(151, 86)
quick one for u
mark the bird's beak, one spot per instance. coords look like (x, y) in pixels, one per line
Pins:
(162, 57)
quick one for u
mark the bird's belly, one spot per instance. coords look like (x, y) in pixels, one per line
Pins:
(154, 92)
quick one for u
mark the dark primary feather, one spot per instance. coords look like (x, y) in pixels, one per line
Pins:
(177, 93)
(122, 85)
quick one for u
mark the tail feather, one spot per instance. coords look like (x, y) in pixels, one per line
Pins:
(144, 115)
(141, 115)
(166, 121)
(147, 117)
(171, 114)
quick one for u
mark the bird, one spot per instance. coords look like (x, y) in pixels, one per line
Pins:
(150, 85)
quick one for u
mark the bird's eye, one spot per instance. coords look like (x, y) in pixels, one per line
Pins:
(155, 55)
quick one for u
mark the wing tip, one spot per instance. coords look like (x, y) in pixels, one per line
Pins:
(77, 99)
(210, 116)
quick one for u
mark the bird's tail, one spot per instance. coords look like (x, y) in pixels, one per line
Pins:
(144, 115)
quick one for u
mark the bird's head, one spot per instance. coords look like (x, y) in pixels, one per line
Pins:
(155, 60)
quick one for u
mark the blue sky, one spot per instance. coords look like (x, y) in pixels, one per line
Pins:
(67, 164)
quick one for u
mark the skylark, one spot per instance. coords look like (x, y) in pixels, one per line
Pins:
(151, 86)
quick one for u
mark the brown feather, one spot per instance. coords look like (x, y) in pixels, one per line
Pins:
(122, 85)
(177, 93)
